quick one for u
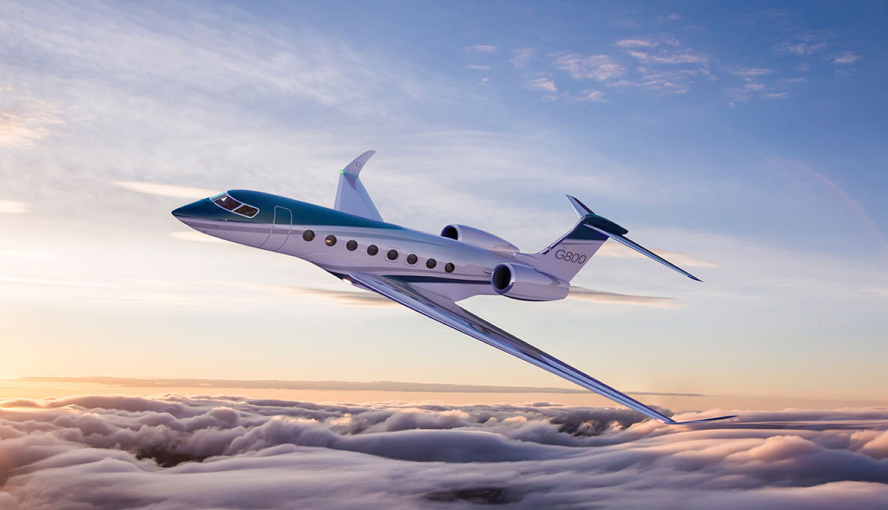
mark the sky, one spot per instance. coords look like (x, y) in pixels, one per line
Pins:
(744, 142)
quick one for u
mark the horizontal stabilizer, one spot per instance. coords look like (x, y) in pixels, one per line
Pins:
(618, 237)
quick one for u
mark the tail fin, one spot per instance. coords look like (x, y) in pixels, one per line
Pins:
(565, 257)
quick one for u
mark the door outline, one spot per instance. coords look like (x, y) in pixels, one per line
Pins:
(278, 220)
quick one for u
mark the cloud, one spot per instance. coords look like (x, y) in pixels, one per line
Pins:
(482, 48)
(595, 96)
(24, 119)
(595, 67)
(13, 207)
(670, 59)
(635, 43)
(597, 296)
(541, 83)
(620, 251)
(360, 298)
(751, 72)
(521, 57)
(206, 384)
(166, 190)
(807, 47)
(478, 68)
(195, 236)
(231, 452)
(847, 57)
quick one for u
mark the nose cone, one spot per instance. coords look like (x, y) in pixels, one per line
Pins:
(202, 209)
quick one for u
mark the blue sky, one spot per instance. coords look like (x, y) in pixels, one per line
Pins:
(745, 141)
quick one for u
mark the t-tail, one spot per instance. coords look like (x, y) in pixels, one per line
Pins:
(565, 257)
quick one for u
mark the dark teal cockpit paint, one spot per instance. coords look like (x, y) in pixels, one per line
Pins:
(303, 213)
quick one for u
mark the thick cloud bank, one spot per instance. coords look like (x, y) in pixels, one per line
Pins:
(231, 452)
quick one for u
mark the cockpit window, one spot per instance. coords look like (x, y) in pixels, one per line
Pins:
(247, 210)
(228, 203)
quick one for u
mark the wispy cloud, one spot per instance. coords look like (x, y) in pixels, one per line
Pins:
(195, 236)
(482, 48)
(845, 58)
(595, 96)
(595, 67)
(476, 67)
(13, 207)
(23, 119)
(681, 259)
(750, 72)
(597, 296)
(809, 46)
(635, 43)
(544, 83)
(166, 190)
(394, 386)
(521, 57)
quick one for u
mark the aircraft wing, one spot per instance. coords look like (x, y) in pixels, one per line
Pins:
(449, 313)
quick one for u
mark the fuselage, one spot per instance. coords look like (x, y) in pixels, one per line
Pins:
(340, 243)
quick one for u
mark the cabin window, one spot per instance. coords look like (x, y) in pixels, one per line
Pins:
(228, 203)
(330, 240)
(449, 267)
(392, 255)
(372, 250)
(308, 235)
(352, 245)
(431, 263)
(412, 258)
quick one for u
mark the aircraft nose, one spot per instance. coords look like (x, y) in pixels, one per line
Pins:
(200, 209)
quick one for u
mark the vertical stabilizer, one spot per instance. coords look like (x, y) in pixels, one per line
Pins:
(565, 257)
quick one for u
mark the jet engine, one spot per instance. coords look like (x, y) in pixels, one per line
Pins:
(480, 239)
(518, 281)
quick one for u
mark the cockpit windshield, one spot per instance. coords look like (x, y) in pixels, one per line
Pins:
(227, 202)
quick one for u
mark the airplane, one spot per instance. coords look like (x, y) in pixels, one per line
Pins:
(425, 272)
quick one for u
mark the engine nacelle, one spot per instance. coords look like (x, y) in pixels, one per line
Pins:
(480, 239)
(526, 283)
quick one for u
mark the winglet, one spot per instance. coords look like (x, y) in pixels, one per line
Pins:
(354, 168)
(704, 420)
(351, 196)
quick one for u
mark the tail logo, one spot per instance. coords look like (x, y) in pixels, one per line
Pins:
(569, 256)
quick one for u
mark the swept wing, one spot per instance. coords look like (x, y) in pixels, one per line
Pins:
(449, 313)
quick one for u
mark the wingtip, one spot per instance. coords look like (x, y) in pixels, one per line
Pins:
(703, 420)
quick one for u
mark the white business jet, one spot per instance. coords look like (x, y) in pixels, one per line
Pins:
(424, 272)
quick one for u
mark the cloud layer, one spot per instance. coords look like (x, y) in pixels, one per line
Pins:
(231, 452)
